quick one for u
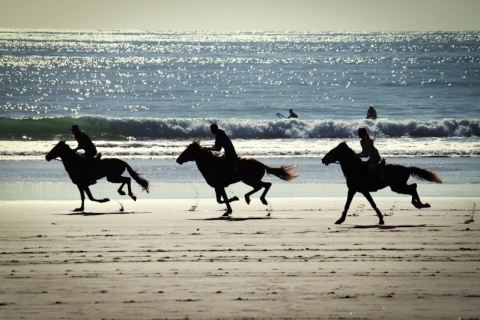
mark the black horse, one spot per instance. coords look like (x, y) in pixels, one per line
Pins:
(250, 172)
(394, 175)
(85, 172)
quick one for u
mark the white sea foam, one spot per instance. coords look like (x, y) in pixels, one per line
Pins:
(260, 148)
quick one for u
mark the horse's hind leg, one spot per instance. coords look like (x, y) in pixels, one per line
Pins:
(247, 195)
(90, 196)
(368, 196)
(124, 181)
(256, 187)
(410, 190)
(267, 186)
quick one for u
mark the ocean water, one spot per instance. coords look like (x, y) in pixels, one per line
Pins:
(144, 96)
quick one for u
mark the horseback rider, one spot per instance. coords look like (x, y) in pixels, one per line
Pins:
(84, 143)
(90, 154)
(369, 151)
(223, 141)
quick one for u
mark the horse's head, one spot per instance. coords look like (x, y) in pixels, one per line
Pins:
(57, 151)
(190, 153)
(337, 154)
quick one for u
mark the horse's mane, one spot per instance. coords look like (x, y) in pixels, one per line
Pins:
(204, 150)
(64, 144)
(350, 151)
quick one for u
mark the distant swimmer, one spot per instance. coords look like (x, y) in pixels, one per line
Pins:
(84, 143)
(371, 113)
(292, 114)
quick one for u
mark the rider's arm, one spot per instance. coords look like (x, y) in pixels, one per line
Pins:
(218, 144)
(367, 147)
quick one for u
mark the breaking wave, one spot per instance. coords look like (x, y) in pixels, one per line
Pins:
(118, 129)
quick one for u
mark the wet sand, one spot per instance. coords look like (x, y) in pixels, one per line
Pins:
(173, 259)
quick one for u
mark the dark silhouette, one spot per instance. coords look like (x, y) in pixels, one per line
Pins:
(85, 173)
(250, 172)
(356, 174)
(292, 114)
(369, 151)
(230, 158)
(84, 143)
(371, 113)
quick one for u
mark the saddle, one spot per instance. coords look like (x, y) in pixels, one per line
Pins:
(230, 167)
(91, 168)
(376, 178)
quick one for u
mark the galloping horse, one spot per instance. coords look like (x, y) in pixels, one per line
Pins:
(84, 175)
(395, 176)
(249, 171)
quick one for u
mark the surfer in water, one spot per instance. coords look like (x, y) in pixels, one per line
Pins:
(84, 143)
(371, 113)
(223, 141)
(292, 114)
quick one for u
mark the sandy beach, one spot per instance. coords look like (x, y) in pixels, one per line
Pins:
(171, 259)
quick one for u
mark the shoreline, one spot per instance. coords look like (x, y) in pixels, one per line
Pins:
(37, 180)
(68, 191)
(177, 259)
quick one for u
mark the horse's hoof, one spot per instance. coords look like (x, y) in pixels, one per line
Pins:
(227, 214)
(104, 200)
(122, 193)
(133, 197)
(78, 210)
(264, 201)
(416, 205)
(381, 222)
(426, 205)
(247, 200)
(234, 199)
(339, 221)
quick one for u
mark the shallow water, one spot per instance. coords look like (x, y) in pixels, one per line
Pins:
(49, 180)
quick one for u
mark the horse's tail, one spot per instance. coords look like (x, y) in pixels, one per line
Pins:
(424, 175)
(136, 176)
(286, 173)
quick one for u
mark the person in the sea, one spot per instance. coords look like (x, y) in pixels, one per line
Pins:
(369, 151)
(292, 114)
(371, 113)
(84, 143)
(223, 141)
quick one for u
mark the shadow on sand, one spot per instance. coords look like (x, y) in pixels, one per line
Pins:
(93, 214)
(387, 227)
(240, 218)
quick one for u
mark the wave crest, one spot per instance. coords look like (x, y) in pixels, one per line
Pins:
(180, 128)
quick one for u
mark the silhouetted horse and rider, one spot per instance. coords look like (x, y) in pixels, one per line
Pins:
(85, 170)
(360, 178)
(219, 176)
(222, 171)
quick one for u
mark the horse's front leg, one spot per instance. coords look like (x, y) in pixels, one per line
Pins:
(374, 206)
(350, 195)
(220, 193)
(82, 197)
(90, 196)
